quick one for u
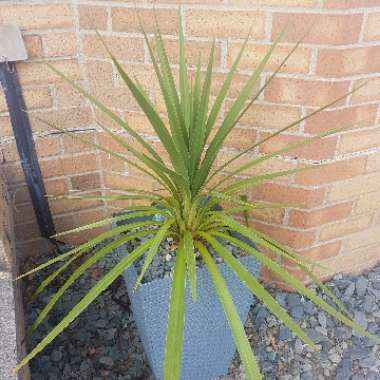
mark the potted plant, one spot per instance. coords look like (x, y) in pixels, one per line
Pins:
(185, 210)
(205, 322)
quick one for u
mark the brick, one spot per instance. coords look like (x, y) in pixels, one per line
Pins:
(109, 163)
(304, 92)
(37, 98)
(33, 45)
(315, 218)
(105, 120)
(64, 222)
(269, 215)
(24, 214)
(72, 145)
(363, 238)
(75, 118)
(56, 186)
(14, 174)
(3, 103)
(34, 98)
(38, 72)
(126, 20)
(5, 127)
(83, 237)
(100, 74)
(139, 123)
(123, 48)
(47, 16)
(275, 117)
(67, 96)
(144, 73)
(119, 182)
(181, 2)
(80, 164)
(268, 3)
(240, 138)
(20, 194)
(25, 232)
(90, 216)
(323, 252)
(333, 231)
(377, 219)
(160, 106)
(34, 248)
(373, 163)
(86, 182)
(354, 186)
(372, 29)
(332, 172)
(369, 257)
(280, 193)
(348, 4)
(68, 165)
(48, 146)
(368, 202)
(265, 167)
(292, 238)
(370, 91)
(297, 273)
(59, 206)
(60, 45)
(109, 143)
(101, 82)
(357, 141)
(194, 50)
(253, 55)
(92, 17)
(359, 116)
(236, 85)
(52, 168)
(8, 152)
(325, 28)
(316, 150)
(341, 62)
(119, 99)
(231, 24)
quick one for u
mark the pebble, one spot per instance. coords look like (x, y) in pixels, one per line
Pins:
(293, 300)
(344, 370)
(343, 333)
(285, 333)
(106, 361)
(309, 308)
(361, 319)
(349, 291)
(361, 286)
(322, 319)
(56, 356)
(297, 313)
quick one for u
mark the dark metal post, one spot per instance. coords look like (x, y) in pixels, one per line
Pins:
(25, 146)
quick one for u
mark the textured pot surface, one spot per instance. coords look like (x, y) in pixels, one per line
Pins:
(208, 342)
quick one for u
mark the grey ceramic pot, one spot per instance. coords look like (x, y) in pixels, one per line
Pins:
(208, 343)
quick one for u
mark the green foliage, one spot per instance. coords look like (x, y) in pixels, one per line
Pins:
(187, 203)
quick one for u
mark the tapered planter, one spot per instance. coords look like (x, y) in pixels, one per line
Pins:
(208, 343)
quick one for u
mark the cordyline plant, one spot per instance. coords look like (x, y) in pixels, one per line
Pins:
(187, 207)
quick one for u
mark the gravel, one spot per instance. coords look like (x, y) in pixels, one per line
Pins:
(162, 264)
(103, 342)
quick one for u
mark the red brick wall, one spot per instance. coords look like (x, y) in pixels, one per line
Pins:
(339, 222)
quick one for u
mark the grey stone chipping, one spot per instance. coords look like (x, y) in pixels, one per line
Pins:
(103, 343)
